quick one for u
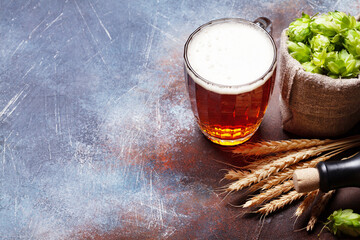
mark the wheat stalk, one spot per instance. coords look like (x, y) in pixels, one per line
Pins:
(318, 208)
(280, 202)
(271, 168)
(306, 203)
(269, 194)
(256, 175)
(235, 174)
(272, 174)
(287, 173)
(238, 174)
(264, 148)
(257, 163)
(244, 171)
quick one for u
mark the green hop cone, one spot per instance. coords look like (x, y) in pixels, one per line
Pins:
(311, 67)
(342, 64)
(352, 42)
(344, 222)
(328, 44)
(325, 25)
(337, 42)
(299, 51)
(319, 58)
(345, 21)
(299, 30)
(357, 26)
(320, 42)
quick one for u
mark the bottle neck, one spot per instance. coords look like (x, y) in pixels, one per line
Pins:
(339, 174)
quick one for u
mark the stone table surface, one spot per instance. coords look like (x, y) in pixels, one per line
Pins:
(97, 139)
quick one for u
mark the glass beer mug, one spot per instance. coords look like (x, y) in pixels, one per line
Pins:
(229, 71)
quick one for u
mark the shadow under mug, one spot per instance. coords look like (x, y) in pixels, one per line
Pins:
(230, 115)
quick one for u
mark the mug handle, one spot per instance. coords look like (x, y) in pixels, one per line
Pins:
(265, 23)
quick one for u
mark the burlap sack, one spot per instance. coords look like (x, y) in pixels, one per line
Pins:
(314, 105)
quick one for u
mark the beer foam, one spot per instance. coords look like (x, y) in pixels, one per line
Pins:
(231, 53)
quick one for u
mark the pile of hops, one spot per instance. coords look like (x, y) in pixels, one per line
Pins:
(327, 44)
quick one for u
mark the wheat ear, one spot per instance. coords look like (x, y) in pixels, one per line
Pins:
(318, 208)
(309, 199)
(260, 162)
(264, 148)
(244, 171)
(286, 174)
(280, 202)
(271, 168)
(239, 174)
(233, 174)
(269, 194)
(294, 157)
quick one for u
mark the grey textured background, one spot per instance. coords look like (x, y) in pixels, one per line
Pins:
(97, 139)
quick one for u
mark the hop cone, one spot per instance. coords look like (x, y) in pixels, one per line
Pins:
(325, 25)
(299, 30)
(343, 20)
(299, 51)
(352, 42)
(344, 222)
(342, 64)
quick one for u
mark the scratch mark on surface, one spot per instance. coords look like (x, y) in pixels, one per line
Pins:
(131, 89)
(162, 15)
(15, 206)
(152, 94)
(91, 34)
(149, 43)
(165, 212)
(161, 207)
(101, 23)
(168, 35)
(168, 232)
(25, 5)
(57, 116)
(231, 8)
(56, 54)
(54, 21)
(5, 140)
(49, 149)
(312, 4)
(20, 44)
(13, 103)
(336, 4)
(68, 129)
(28, 71)
(158, 115)
(92, 57)
(151, 186)
(3, 157)
(131, 38)
(31, 33)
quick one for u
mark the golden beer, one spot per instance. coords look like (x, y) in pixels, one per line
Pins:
(229, 71)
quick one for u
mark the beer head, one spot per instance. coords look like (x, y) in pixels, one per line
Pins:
(230, 56)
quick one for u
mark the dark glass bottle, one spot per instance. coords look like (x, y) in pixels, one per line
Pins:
(339, 174)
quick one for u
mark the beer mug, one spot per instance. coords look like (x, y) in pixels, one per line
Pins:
(229, 71)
